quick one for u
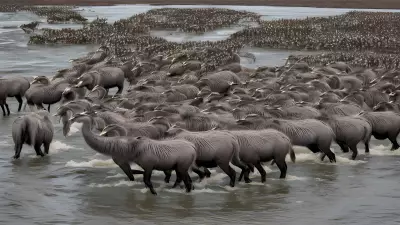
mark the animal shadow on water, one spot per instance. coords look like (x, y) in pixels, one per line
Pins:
(32, 162)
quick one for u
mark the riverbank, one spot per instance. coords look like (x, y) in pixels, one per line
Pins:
(364, 4)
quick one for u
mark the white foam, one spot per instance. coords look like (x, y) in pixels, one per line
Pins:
(316, 158)
(116, 184)
(75, 128)
(94, 163)
(118, 175)
(58, 146)
(215, 178)
(295, 178)
(195, 191)
(382, 150)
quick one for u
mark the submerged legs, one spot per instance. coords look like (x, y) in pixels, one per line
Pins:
(4, 111)
(126, 168)
(147, 180)
(38, 150)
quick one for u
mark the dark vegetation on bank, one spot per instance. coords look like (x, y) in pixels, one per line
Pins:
(359, 38)
(365, 4)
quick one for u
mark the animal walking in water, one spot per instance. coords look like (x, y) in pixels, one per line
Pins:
(34, 129)
(12, 87)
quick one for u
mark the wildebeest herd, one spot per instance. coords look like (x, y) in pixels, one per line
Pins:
(196, 108)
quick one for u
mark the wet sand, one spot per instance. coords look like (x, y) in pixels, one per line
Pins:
(365, 4)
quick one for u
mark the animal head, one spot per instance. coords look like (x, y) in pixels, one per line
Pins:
(113, 130)
(160, 120)
(41, 79)
(173, 131)
(59, 74)
(85, 79)
(81, 117)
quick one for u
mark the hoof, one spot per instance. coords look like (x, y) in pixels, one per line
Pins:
(248, 181)
(153, 191)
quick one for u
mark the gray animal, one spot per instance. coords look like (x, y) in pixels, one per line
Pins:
(107, 77)
(349, 131)
(261, 146)
(42, 92)
(34, 129)
(384, 125)
(154, 129)
(219, 82)
(12, 87)
(94, 57)
(178, 155)
(313, 134)
(213, 148)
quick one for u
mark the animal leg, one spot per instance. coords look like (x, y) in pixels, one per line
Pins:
(330, 154)
(178, 180)
(38, 150)
(367, 146)
(186, 179)
(147, 180)
(126, 168)
(229, 171)
(8, 109)
(168, 174)
(120, 88)
(246, 173)
(393, 139)
(343, 146)
(46, 148)
(19, 99)
(262, 172)
(18, 148)
(4, 111)
(39, 106)
(355, 151)
(137, 171)
(282, 167)
(207, 172)
(198, 172)
(236, 162)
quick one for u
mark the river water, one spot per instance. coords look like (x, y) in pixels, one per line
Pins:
(74, 185)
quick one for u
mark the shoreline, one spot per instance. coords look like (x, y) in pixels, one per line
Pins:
(352, 4)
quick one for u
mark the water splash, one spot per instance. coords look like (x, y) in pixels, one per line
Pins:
(58, 146)
(94, 163)
(315, 158)
(75, 128)
(116, 184)
(382, 150)
(118, 175)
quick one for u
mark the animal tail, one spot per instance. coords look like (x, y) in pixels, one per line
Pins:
(18, 135)
(33, 127)
(292, 154)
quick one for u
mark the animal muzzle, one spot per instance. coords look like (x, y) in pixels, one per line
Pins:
(103, 133)
(79, 85)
